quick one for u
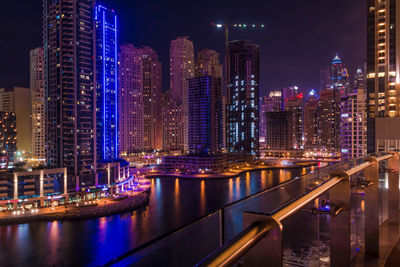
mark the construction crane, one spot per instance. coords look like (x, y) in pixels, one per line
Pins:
(226, 27)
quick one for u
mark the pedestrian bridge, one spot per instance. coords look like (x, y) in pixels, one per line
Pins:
(346, 214)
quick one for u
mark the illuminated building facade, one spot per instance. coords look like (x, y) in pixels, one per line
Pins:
(205, 115)
(152, 97)
(182, 68)
(8, 138)
(38, 120)
(131, 113)
(339, 76)
(172, 124)
(107, 83)
(295, 106)
(383, 75)
(353, 125)
(328, 112)
(310, 121)
(242, 120)
(70, 87)
(18, 100)
(270, 103)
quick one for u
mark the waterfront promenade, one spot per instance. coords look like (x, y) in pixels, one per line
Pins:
(124, 202)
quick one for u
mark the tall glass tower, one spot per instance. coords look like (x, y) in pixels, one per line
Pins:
(70, 87)
(107, 83)
(242, 120)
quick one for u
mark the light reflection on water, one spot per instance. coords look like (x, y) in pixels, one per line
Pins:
(173, 203)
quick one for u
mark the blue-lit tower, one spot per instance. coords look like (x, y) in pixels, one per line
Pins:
(106, 83)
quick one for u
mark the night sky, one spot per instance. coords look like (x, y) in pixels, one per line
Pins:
(299, 36)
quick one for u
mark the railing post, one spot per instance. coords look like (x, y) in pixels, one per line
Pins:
(267, 252)
(340, 243)
(371, 174)
(393, 203)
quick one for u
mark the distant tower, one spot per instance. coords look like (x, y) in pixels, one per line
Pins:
(38, 120)
(339, 76)
(182, 68)
(310, 121)
(295, 106)
(131, 112)
(70, 86)
(242, 121)
(107, 84)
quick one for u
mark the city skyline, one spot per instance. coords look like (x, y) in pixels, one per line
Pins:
(295, 40)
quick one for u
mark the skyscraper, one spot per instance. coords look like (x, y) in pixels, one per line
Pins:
(38, 120)
(295, 106)
(279, 134)
(242, 120)
(353, 125)
(172, 124)
(205, 115)
(270, 103)
(70, 86)
(131, 113)
(106, 84)
(152, 97)
(310, 121)
(182, 68)
(339, 76)
(383, 75)
(8, 138)
(328, 112)
(18, 100)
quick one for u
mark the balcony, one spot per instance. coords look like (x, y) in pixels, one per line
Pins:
(346, 214)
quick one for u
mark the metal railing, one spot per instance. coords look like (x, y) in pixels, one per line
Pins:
(260, 244)
(254, 229)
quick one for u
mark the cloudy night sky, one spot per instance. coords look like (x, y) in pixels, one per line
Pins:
(299, 36)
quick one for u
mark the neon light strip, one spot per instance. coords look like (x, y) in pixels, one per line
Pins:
(104, 86)
(116, 87)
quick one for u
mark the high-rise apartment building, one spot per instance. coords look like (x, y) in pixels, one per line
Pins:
(328, 113)
(18, 100)
(8, 138)
(279, 134)
(205, 115)
(295, 106)
(383, 75)
(106, 84)
(242, 120)
(353, 125)
(69, 38)
(131, 112)
(270, 103)
(38, 120)
(182, 68)
(152, 97)
(310, 121)
(172, 124)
